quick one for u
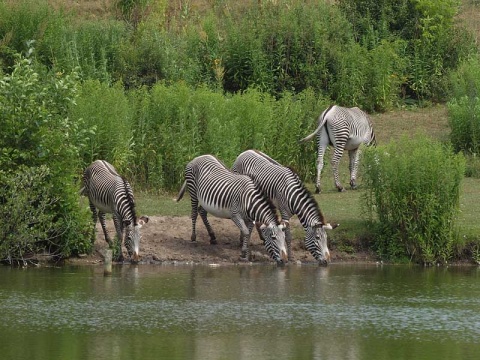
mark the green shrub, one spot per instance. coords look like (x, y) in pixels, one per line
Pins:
(464, 120)
(413, 189)
(39, 140)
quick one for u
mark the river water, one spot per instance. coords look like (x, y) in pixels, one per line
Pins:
(240, 312)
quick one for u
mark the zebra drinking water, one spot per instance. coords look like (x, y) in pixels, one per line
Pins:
(289, 195)
(345, 129)
(109, 192)
(214, 189)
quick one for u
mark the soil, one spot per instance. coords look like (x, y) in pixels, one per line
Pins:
(166, 239)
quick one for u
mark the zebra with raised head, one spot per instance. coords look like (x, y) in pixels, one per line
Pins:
(344, 129)
(290, 196)
(214, 189)
(108, 192)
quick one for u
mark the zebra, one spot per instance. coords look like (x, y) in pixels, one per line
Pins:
(345, 129)
(214, 189)
(287, 192)
(111, 193)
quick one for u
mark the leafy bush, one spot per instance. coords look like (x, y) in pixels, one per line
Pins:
(39, 140)
(464, 119)
(413, 189)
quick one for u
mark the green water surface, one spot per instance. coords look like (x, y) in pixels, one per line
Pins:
(240, 312)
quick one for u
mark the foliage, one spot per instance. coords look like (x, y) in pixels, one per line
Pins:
(464, 113)
(413, 189)
(433, 45)
(173, 124)
(39, 148)
(106, 111)
(366, 53)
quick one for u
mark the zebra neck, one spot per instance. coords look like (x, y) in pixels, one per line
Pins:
(303, 205)
(261, 209)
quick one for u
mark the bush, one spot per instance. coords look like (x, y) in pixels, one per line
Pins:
(413, 189)
(39, 152)
(464, 119)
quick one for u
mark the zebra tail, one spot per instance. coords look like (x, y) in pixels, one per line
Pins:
(321, 123)
(182, 191)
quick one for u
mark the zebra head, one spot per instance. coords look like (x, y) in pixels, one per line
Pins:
(274, 236)
(133, 236)
(316, 241)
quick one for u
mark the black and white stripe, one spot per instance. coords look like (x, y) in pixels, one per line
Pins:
(214, 189)
(290, 196)
(344, 129)
(108, 192)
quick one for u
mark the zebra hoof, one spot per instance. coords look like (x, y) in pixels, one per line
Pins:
(243, 259)
(341, 189)
(213, 242)
(317, 190)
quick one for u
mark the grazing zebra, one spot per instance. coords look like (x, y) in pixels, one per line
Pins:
(289, 195)
(109, 192)
(216, 190)
(345, 129)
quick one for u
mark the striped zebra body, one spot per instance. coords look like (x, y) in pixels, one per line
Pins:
(108, 192)
(214, 189)
(344, 129)
(287, 192)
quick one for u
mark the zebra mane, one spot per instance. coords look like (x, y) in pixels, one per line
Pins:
(266, 157)
(270, 204)
(310, 199)
(272, 207)
(131, 203)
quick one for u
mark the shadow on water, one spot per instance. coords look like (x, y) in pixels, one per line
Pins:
(240, 312)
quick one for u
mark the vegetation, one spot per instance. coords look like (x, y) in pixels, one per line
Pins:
(39, 159)
(150, 84)
(413, 191)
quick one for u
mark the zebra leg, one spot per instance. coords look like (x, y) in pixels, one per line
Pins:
(288, 239)
(322, 141)
(203, 215)
(337, 155)
(194, 216)
(94, 218)
(101, 216)
(245, 231)
(354, 156)
(118, 254)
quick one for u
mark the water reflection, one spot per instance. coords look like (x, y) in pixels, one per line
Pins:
(243, 312)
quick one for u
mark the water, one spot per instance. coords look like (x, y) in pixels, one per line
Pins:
(240, 312)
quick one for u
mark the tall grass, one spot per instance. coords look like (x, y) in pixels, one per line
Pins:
(151, 134)
(413, 191)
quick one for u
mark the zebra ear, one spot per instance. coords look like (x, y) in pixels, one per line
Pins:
(326, 226)
(143, 220)
(284, 225)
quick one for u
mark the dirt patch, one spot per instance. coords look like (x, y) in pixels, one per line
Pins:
(167, 239)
